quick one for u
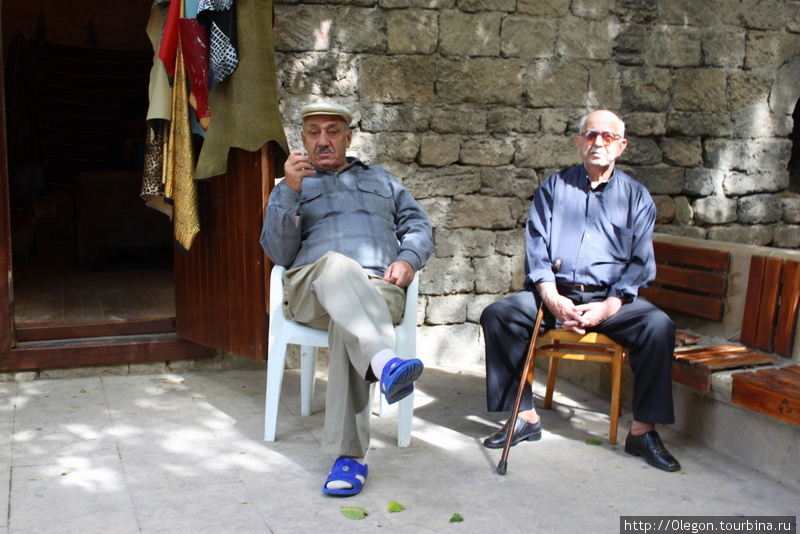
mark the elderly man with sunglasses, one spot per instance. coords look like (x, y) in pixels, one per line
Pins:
(599, 222)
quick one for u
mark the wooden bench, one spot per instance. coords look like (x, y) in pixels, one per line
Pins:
(768, 324)
(694, 281)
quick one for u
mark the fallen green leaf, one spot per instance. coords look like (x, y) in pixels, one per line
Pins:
(83, 390)
(354, 512)
(456, 518)
(395, 506)
(593, 442)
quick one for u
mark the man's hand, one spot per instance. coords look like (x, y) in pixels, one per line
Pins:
(577, 317)
(298, 166)
(399, 273)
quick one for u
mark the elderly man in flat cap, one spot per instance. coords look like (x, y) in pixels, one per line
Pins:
(351, 237)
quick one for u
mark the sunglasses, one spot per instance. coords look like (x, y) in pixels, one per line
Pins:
(608, 137)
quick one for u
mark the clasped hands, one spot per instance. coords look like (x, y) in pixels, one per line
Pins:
(577, 317)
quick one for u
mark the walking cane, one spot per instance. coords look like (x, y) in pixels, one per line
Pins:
(512, 420)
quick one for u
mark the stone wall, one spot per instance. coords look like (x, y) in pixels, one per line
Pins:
(472, 103)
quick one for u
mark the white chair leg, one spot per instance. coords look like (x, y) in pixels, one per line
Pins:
(275, 363)
(384, 409)
(405, 413)
(308, 366)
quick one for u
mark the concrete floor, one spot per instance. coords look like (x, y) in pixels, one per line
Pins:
(184, 453)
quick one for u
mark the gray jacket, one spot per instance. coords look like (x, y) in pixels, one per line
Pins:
(362, 211)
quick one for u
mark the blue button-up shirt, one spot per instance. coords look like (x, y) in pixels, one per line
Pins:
(603, 237)
(361, 211)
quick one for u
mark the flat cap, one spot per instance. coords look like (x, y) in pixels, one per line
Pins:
(326, 108)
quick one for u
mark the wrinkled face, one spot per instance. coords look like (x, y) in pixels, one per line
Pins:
(601, 140)
(326, 139)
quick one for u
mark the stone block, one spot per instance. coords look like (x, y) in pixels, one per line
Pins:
(695, 232)
(511, 181)
(758, 121)
(544, 8)
(443, 182)
(683, 211)
(699, 124)
(586, 39)
(592, 9)
(478, 211)
(458, 346)
(450, 309)
(641, 151)
(758, 235)
(701, 90)
(486, 152)
(786, 236)
(791, 208)
(492, 274)
(682, 151)
(360, 30)
(714, 210)
(516, 32)
(548, 85)
(749, 156)
(674, 46)
(556, 121)
(386, 146)
(546, 151)
(424, 4)
(605, 90)
(477, 304)
(511, 243)
(748, 88)
(702, 182)
(756, 14)
(479, 6)
(661, 180)
(396, 79)
(644, 123)
(631, 44)
(723, 47)
(438, 210)
(463, 34)
(463, 119)
(446, 276)
(784, 92)
(770, 48)
(760, 209)
(688, 12)
(646, 88)
(500, 81)
(739, 184)
(303, 28)
(665, 208)
(412, 31)
(377, 117)
(464, 242)
(519, 120)
(438, 150)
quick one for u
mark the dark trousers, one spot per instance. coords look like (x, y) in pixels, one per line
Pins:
(647, 332)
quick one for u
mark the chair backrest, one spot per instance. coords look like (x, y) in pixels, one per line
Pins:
(299, 334)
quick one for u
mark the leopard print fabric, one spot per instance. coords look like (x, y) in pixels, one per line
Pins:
(153, 179)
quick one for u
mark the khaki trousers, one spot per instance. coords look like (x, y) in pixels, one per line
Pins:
(358, 311)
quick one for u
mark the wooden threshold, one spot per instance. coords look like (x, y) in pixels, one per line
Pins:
(106, 351)
(45, 332)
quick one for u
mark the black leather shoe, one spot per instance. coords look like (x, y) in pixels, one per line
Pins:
(522, 430)
(650, 447)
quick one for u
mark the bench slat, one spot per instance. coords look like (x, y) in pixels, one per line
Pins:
(717, 260)
(770, 391)
(704, 282)
(787, 316)
(752, 299)
(706, 307)
(768, 305)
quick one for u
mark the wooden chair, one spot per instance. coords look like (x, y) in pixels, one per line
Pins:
(593, 347)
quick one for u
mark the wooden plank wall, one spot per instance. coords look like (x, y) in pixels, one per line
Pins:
(220, 284)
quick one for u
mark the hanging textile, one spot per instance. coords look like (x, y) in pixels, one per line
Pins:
(179, 158)
(220, 18)
(158, 116)
(194, 43)
(244, 106)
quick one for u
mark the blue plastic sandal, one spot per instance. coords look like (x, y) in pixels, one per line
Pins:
(346, 469)
(397, 378)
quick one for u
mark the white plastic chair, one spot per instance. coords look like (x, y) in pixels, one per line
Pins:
(283, 332)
